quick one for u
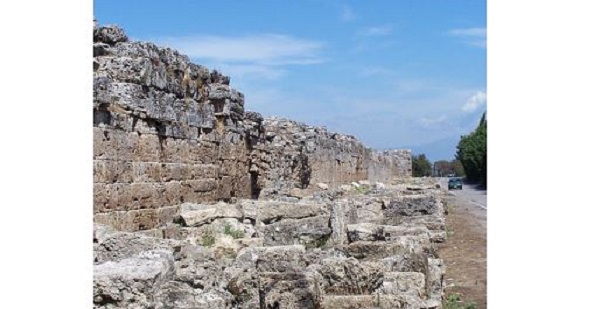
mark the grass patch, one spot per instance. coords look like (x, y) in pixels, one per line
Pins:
(453, 301)
(208, 239)
(229, 230)
(362, 190)
(318, 243)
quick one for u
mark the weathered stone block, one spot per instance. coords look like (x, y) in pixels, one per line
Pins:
(180, 295)
(146, 171)
(199, 214)
(271, 211)
(149, 148)
(409, 284)
(101, 198)
(375, 232)
(348, 276)
(290, 290)
(307, 231)
(364, 302)
(132, 281)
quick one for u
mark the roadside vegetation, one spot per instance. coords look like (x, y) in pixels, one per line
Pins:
(444, 168)
(421, 166)
(453, 301)
(472, 153)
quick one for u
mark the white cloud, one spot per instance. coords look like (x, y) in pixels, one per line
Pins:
(247, 70)
(256, 56)
(476, 32)
(376, 31)
(472, 36)
(428, 122)
(266, 48)
(477, 100)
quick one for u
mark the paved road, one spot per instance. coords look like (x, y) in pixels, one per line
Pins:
(469, 193)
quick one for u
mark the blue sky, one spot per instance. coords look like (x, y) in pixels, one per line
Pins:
(392, 73)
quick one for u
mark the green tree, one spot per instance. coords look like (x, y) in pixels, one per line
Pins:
(458, 168)
(472, 152)
(442, 168)
(421, 166)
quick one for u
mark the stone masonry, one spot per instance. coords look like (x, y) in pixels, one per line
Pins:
(368, 248)
(201, 204)
(168, 131)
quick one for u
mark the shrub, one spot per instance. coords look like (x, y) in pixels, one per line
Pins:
(229, 230)
(208, 239)
(453, 301)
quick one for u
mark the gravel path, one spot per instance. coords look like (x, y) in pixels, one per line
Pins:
(465, 251)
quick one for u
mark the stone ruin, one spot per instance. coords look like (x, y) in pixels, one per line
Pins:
(201, 204)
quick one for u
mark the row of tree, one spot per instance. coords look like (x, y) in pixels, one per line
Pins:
(472, 153)
(470, 159)
(421, 166)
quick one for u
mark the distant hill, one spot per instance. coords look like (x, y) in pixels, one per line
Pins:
(442, 149)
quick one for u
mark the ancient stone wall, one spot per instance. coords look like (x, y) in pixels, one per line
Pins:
(167, 132)
(299, 156)
(390, 165)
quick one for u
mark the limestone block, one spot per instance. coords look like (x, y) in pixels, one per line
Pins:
(290, 290)
(199, 214)
(132, 282)
(310, 231)
(348, 276)
(271, 211)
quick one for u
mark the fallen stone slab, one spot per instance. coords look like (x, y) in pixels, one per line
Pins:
(313, 232)
(271, 211)
(111, 245)
(199, 214)
(132, 282)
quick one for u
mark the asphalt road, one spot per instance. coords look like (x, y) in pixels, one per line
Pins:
(470, 193)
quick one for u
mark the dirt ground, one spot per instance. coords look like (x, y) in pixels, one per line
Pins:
(465, 251)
